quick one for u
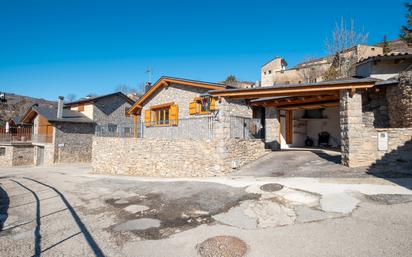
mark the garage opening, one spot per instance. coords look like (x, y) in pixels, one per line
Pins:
(310, 128)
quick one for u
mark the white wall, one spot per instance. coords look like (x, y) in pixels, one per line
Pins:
(312, 127)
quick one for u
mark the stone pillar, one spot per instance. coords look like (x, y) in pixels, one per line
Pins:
(272, 128)
(351, 127)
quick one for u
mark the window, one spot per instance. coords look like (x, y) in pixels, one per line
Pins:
(270, 71)
(161, 115)
(2, 151)
(127, 131)
(80, 108)
(112, 127)
(201, 106)
(126, 114)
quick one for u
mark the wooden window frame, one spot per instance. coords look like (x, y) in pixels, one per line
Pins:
(199, 110)
(80, 107)
(159, 115)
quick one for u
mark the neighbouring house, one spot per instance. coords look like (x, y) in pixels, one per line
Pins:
(109, 112)
(59, 135)
(183, 132)
(64, 134)
(276, 72)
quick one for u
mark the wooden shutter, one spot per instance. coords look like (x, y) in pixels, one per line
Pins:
(192, 108)
(212, 104)
(147, 118)
(174, 115)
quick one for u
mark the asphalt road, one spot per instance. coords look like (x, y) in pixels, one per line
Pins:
(64, 211)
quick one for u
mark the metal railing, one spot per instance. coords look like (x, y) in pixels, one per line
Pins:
(190, 128)
(15, 135)
(203, 127)
(246, 128)
(114, 130)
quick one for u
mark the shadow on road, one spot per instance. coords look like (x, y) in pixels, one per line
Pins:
(4, 207)
(37, 235)
(89, 238)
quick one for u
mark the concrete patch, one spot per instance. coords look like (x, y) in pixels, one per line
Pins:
(298, 197)
(340, 203)
(269, 213)
(306, 214)
(237, 217)
(138, 224)
(389, 199)
(135, 208)
(222, 246)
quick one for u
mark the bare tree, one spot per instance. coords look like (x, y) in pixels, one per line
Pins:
(125, 89)
(71, 98)
(342, 49)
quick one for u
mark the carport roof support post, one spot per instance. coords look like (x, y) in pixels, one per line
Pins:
(272, 130)
(351, 127)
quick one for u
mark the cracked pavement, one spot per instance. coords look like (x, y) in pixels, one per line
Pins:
(63, 210)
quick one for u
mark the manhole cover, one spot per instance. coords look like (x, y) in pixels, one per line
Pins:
(222, 246)
(272, 187)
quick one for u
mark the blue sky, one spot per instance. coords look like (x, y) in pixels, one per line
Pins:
(52, 48)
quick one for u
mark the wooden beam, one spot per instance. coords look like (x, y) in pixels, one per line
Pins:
(328, 104)
(289, 91)
(299, 100)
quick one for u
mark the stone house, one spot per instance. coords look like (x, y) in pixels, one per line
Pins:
(108, 112)
(276, 72)
(367, 117)
(182, 132)
(64, 134)
(59, 135)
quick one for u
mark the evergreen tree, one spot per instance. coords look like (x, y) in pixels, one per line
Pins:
(385, 45)
(406, 30)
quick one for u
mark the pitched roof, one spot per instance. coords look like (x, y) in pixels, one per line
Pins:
(96, 98)
(286, 89)
(165, 81)
(387, 56)
(50, 114)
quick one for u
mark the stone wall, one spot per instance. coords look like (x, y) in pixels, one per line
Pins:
(171, 158)
(399, 99)
(360, 141)
(73, 142)
(16, 155)
(23, 155)
(6, 155)
(174, 93)
(375, 108)
(112, 110)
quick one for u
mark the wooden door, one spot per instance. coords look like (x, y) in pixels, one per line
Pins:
(289, 127)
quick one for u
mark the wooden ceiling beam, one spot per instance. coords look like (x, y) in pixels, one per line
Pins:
(298, 100)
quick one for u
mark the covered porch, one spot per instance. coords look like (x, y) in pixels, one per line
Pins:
(309, 116)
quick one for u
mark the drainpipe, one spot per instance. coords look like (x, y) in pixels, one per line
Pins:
(60, 104)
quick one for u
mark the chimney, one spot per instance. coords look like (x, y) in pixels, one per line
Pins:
(60, 104)
(147, 86)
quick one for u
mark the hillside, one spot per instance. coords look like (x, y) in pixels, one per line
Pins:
(16, 105)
